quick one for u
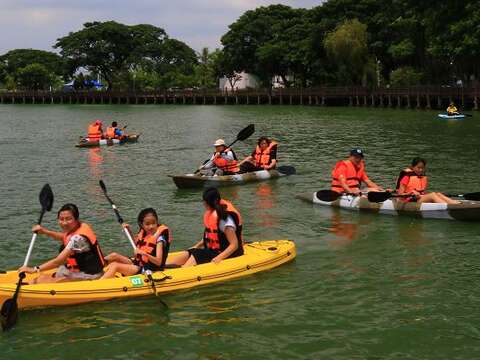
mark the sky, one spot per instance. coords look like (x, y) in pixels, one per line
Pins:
(37, 24)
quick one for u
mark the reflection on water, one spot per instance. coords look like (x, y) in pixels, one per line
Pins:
(265, 201)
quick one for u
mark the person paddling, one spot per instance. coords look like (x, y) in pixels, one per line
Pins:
(223, 161)
(264, 157)
(80, 256)
(152, 246)
(413, 181)
(348, 175)
(222, 237)
(95, 131)
(114, 132)
(452, 109)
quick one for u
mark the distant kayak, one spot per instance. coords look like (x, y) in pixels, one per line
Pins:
(457, 116)
(466, 211)
(198, 181)
(84, 142)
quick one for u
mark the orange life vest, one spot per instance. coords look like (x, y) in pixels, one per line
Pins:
(213, 237)
(227, 165)
(111, 132)
(94, 132)
(263, 158)
(353, 175)
(89, 262)
(415, 182)
(148, 244)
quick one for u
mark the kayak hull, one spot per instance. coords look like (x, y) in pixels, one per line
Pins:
(466, 211)
(259, 256)
(196, 181)
(84, 143)
(445, 116)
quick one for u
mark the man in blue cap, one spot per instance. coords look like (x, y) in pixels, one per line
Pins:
(348, 175)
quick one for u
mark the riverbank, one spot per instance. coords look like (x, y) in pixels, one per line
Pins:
(425, 97)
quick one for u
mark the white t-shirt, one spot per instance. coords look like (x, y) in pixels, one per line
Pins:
(228, 222)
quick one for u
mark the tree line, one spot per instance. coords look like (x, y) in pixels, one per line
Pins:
(339, 43)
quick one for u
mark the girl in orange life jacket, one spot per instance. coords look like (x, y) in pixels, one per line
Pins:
(413, 181)
(348, 175)
(264, 157)
(222, 236)
(153, 243)
(80, 257)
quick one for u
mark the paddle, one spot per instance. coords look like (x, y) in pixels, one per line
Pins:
(286, 170)
(244, 134)
(9, 309)
(475, 196)
(328, 195)
(381, 196)
(117, 214)
(468, 115)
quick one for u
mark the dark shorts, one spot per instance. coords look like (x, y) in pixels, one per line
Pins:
(203, 256)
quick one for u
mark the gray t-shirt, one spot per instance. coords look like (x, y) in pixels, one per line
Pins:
(78, 244)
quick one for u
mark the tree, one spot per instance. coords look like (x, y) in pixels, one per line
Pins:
(35, 77)
(110, 48)
(347, 47)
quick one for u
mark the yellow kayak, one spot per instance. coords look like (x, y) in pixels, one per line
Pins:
(259, 256)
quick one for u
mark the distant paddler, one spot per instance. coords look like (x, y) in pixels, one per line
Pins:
(452, 109)
(264, 157)
(114, 132)
(223, 161)
(348, 175)
(95, 131)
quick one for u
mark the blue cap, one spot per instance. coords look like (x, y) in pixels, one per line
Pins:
(356, 152)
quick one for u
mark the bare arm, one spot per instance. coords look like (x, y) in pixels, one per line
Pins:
(232, 245)
(50, 233)
(51, 264)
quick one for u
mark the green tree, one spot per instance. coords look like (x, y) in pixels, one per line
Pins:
(110, 48)
(35, 77)
(347, 47)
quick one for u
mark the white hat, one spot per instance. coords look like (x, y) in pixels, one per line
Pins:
(219, 142)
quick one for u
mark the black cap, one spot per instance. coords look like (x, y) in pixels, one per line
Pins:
(356, 152)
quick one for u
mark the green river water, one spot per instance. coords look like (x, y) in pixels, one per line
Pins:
(363, 286)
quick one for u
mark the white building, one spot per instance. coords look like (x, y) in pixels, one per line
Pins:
(243, 81)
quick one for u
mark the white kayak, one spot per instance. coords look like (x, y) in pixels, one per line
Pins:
(467, 210)
(457, 116)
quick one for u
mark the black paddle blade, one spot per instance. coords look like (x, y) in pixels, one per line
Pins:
(472, 196)
(46, 197)
(246, 133)
(9, 313)
(376, 196)
(286, 170)
(102, 185)
(327, 195)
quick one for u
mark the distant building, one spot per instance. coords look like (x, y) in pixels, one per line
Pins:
(243, 81)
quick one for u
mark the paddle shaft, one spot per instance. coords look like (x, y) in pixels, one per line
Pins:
(34, 237)
(119, 217)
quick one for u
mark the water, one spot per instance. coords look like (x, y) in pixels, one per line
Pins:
(362, 287)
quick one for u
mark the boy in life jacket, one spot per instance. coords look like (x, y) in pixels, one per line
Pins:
(413, 181)
(264, 157)
(223, 161)
(95, 131)
(348, 175)
(222, 236)
(80, 256)
(152, 246)
(113, 132)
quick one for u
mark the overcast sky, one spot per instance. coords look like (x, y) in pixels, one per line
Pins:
(37, 24)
